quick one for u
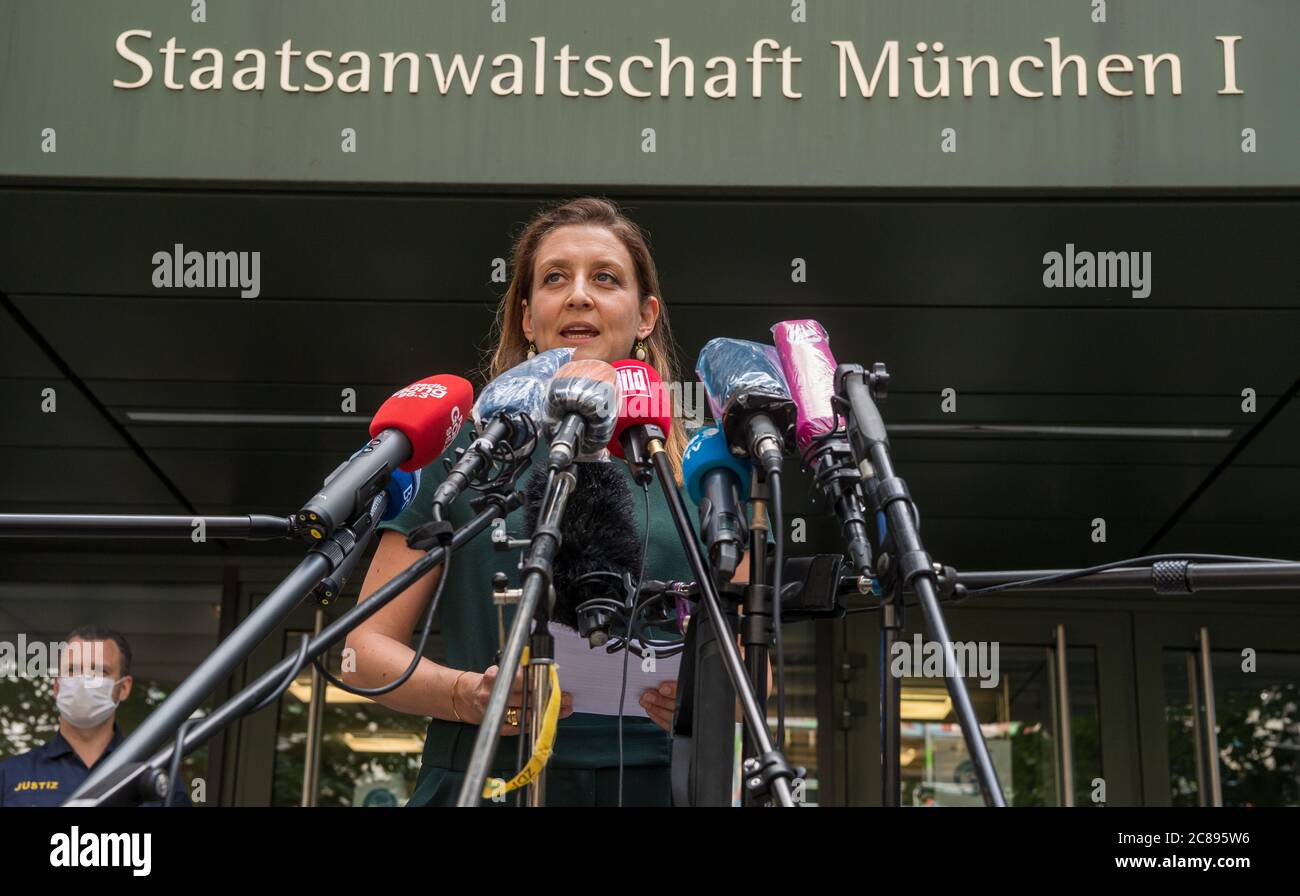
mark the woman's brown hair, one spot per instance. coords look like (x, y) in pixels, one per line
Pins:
(507, 331)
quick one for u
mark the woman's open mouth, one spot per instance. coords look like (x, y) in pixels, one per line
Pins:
(579, 333)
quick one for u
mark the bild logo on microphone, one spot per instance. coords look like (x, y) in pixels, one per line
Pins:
(633, 381)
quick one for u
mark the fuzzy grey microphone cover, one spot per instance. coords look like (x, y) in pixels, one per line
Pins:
(598, 533)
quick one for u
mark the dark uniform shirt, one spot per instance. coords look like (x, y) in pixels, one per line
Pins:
(583, 769)
(49, 774)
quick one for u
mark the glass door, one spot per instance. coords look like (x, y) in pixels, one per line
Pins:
(1049, 689)
(1221, 708)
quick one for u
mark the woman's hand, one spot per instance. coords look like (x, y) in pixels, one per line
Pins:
(471, 692)
(660, 704)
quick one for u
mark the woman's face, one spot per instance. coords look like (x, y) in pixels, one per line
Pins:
(585, 295)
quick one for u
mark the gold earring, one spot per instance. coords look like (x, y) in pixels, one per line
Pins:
(532, 350)
(640, 351)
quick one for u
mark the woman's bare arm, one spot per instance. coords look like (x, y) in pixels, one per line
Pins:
(382, 643)
(383, 651)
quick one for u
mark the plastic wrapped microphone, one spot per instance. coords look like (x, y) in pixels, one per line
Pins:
(581, 410)
(748, 393)
(506, 418)
(729, 367)
(520, 390)
(599, 553)
(804, 350)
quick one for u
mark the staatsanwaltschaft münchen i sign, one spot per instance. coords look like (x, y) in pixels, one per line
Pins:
(925, 69)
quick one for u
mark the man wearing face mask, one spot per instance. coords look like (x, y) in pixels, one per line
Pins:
(94, 678)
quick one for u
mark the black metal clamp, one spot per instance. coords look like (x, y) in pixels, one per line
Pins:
(761, 771)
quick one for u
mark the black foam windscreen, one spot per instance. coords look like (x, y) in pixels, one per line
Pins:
(598, 534)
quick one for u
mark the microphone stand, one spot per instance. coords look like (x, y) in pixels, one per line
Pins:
(768, 774)
(537, 570)
(912, 567)
(253, 526)
(324, 558)
(129, 782)
(757, 628)
(1169, 577)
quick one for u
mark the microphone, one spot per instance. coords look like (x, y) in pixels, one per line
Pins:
(804, 350)
(401, 489)
(645, 412)
(505, 414)
(397, 496)
(748, 393)
(581, 410)
(718, 482)
(410, 429)
(599, 552)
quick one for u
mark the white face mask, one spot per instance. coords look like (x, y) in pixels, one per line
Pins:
(86, 701)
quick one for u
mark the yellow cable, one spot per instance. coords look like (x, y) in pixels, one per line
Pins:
(497, 787)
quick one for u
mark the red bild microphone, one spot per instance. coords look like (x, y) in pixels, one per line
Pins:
(645, 410)
(429, 413)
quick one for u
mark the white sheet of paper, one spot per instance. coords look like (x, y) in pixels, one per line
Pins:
(594, 677)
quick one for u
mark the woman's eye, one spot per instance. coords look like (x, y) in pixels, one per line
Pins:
(547, 278)
(611, 277)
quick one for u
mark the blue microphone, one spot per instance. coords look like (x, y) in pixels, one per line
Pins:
(402, 488)
(718, 482)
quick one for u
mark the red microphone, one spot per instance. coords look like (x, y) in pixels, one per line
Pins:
(645, 412)
(429, 413)
(410, 430)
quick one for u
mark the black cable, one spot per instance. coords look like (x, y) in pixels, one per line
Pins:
(419, 650)
(272, 695)
(280, 687)
(637, 603)
(177, 751)
(775, 477)
(1090, 571)
(283, 685)
(1116, 564)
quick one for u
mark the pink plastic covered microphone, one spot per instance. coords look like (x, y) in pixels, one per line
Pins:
(804, 350)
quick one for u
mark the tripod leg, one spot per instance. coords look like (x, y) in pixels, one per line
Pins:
(891, 701)
(970, 728)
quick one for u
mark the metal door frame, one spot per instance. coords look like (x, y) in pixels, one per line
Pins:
(1106, 631)
(1178, 628)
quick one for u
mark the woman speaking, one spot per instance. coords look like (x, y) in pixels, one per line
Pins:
(581, 277)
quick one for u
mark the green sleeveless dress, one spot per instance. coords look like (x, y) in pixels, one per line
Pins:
(583, 769)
